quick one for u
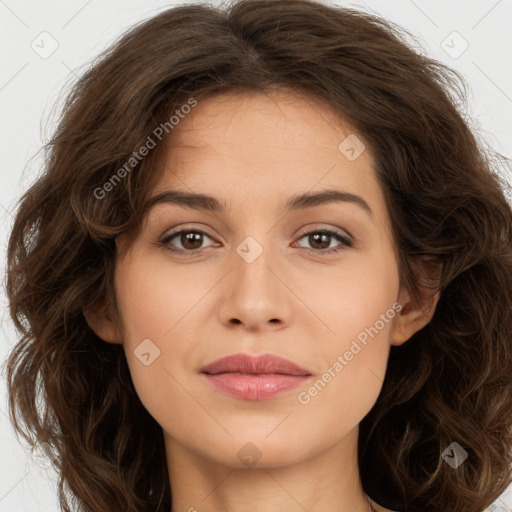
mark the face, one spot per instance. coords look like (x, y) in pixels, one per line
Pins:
(316, 284)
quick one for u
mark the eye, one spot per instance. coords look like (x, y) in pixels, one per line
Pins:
(190, 240)
(324, 238)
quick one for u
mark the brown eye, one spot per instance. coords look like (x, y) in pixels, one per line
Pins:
(186, 241)
(191, 239)
(320, 242)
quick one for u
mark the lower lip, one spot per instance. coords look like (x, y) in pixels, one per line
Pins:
(255, 387)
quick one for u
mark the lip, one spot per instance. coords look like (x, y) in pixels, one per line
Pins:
(254, 378)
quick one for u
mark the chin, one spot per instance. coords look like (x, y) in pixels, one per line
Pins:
(258, 451)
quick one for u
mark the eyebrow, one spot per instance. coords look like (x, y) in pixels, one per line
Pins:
(302, 201)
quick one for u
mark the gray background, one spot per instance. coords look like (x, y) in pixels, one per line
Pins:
(474, 37)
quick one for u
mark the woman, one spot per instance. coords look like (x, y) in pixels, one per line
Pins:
(268, 267)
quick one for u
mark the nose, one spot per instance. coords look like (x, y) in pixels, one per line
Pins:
(255, 293)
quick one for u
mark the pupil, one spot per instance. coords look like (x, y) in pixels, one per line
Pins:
(188, 240)
(315, 238)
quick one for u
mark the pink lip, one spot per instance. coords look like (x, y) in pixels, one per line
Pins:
(254, 378)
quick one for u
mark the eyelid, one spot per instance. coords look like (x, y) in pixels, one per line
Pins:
(166, 238)
(178, 229)
(323, 228)
(345, 239)
(345, 242)
(300, 234)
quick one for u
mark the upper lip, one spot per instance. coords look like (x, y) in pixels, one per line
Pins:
(263, 364)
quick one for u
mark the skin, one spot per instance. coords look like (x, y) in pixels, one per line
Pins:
(254, 151)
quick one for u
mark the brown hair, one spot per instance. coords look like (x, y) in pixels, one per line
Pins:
(451, 382)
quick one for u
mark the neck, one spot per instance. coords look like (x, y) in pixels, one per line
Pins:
(327, 482)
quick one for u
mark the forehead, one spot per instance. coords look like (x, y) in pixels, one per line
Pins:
(252, 149)
(246, 122)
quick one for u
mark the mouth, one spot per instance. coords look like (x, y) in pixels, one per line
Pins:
(254, 378)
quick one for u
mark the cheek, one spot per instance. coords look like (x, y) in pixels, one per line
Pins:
(358, 308)
(354, 359)
(366, 308)
(158, 305)
(153, 299)
(359, 294)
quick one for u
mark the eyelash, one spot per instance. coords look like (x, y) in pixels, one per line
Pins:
(345, 242)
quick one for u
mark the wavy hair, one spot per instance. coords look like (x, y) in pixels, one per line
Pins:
(451, 382)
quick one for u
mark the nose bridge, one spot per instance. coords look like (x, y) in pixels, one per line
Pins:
(253, 259)
(257, 249)
(256, 296)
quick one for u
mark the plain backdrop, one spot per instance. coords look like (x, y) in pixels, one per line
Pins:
(46, 44)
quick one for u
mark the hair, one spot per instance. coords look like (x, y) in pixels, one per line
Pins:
(451, 382)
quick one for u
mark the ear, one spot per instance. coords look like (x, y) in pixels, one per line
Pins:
(102, 322)
(414, 316)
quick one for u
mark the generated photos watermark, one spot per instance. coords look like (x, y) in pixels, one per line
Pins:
(305, 397)
(137, 156)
